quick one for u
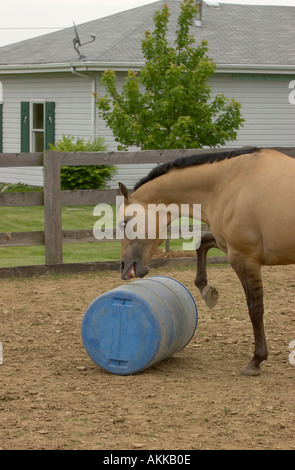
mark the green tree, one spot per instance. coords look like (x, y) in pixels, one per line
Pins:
(83, 177)
(169, 104)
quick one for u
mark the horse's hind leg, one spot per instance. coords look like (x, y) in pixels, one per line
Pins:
(209, 293)
(249, 273)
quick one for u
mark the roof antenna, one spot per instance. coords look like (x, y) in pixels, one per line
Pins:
(77, 43)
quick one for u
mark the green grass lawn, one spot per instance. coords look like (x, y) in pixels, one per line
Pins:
(28, 219)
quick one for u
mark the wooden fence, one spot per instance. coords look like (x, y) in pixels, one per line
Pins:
(52, 198)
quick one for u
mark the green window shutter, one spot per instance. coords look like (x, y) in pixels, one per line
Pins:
(25, 126)
(49, 124)
(1, 108)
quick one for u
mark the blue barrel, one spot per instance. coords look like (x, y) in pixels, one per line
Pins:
(139, 324)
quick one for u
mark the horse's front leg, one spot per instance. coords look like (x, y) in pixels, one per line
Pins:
(249, 273)
(209, 293)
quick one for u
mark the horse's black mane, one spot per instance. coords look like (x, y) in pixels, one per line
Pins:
(184, 162)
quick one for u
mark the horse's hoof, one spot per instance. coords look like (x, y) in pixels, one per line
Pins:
(210, 295)
(251, 371)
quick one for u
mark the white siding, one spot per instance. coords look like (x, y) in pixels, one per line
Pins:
(270, 118)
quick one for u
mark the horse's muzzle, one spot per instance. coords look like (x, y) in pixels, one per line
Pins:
(133, 269)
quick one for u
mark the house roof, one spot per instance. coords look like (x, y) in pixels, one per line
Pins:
(238, 36)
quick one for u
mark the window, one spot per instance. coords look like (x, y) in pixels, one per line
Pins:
(37, 125)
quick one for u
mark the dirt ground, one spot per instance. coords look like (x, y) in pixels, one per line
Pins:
(52, 396)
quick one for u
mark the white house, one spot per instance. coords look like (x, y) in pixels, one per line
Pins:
(48, 83)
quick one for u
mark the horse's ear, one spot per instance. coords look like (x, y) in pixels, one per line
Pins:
(124, 191)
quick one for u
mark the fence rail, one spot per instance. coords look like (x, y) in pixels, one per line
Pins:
(52, 198)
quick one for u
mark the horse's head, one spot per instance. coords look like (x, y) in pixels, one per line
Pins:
(141, 235)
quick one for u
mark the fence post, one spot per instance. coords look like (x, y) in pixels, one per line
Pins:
(167, 245)
(52, 208)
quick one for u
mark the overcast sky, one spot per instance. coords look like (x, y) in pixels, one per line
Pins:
(24, 19)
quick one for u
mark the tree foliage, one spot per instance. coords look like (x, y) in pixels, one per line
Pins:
(168, 104)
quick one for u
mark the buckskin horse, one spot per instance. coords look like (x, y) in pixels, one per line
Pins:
(247, 197)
